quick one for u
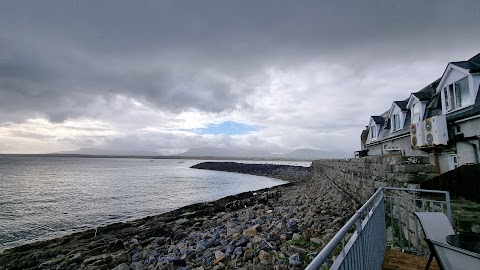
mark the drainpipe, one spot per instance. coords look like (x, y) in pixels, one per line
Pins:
(435, 161)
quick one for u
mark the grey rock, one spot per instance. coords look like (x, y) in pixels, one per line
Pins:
(229, 250)
(264, 245)
(296, 236)
(297, 249)
(242, 242)
(136, 266)
(248, 254)
(122, 266)
(295, 260)
(238, 251)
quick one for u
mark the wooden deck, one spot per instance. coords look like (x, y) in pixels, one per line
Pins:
(395, 259)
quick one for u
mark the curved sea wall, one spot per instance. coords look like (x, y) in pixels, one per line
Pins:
(278, 228)
(292, 174)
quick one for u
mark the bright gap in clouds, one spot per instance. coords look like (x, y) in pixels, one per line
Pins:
(226, 128)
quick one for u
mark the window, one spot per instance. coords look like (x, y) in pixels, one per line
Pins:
(397, 122)
(456, 94)
(373, 132)
(416, 112)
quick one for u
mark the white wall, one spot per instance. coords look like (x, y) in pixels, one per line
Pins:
(452, 75)
(470, 127)
(375, 150)
(465, 153)
(404, 144)
(442, 161)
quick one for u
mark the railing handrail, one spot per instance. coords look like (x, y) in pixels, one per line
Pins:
(415, 190)
(325, 252)
(447, 196)
(339, 236)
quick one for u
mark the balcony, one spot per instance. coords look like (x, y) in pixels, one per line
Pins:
(384, 232)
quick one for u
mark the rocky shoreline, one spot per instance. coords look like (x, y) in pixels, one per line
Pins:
(283, 227)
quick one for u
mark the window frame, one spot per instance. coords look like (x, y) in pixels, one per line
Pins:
(452, 96)
(373, 135)
(419, 113)
(394, 123)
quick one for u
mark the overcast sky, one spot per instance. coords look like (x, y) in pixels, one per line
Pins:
(167, 76)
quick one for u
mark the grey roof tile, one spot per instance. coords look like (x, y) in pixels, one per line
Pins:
(472, 64)
(423, 96)
(402, 104)
(378, 120)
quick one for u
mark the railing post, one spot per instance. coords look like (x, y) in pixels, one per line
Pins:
(449, 210)
(358, 224)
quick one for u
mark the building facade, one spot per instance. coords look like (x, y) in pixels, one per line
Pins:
(441, 121)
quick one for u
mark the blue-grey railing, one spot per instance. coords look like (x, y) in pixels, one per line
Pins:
(366, 246)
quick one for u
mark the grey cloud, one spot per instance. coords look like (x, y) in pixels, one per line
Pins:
(73, 59)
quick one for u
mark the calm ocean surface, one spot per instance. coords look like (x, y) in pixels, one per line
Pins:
(45, 197)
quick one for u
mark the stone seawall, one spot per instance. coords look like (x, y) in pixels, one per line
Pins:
(361, 177)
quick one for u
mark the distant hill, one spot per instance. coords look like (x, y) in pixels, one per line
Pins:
(246, 153)
(224, 152)
(103, 152)
(316, 154)
(216, 152)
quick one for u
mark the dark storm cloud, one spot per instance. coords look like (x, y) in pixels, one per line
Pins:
(58, 56)
(95, 59)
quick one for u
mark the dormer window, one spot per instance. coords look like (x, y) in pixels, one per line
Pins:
(373, 132)
(456, 95)
(374, 128)
(416, 112)
(397, 122)
(417, 103)
(397, 115)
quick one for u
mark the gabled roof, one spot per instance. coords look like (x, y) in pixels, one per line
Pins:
(472, 64)
(377, 119)
(384, 131)
(422, 96)
(401, 104)
(475, 59)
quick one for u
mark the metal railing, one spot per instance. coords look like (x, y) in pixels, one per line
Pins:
(367, 235)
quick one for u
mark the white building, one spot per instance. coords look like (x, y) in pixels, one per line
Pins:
(441, 121)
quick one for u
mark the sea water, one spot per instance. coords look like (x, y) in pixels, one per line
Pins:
(46, 197)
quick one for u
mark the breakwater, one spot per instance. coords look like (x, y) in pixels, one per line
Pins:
(278, 228)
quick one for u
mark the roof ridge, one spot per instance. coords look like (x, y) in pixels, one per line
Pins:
(475, 60)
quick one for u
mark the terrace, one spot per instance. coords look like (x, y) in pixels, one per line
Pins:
(384, 233)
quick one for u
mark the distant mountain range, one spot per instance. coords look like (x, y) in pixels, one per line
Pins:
(224, 152)
(216, 152)
(103, 152)
(316, 154)
(243, 153)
